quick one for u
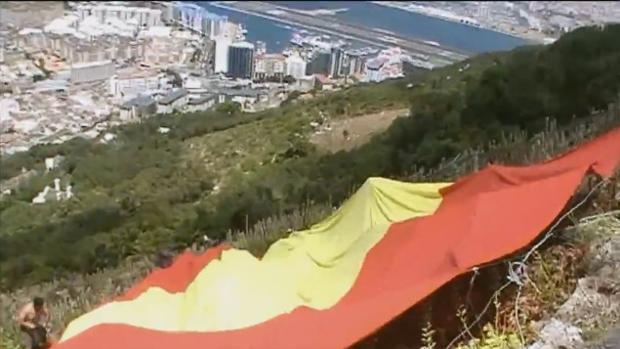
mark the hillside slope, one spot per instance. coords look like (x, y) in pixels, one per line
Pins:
(150, 191)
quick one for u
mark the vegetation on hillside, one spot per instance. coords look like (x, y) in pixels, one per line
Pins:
(76, 294)
(138, 193)
(146, 191)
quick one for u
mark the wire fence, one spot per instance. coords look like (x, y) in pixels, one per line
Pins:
(517, 269)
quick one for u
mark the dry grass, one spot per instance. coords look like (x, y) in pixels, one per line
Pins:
(242, 148)
(258, 239)
(350, 133)
(246, 147)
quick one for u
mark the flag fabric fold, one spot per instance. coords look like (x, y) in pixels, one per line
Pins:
(388, 247)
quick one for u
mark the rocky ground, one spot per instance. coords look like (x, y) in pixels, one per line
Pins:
(589, 319)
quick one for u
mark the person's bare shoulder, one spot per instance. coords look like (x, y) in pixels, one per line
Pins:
(25, 310)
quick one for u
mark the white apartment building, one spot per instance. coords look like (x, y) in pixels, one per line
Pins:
(142, 16)
(222, 45)
(197, 19)
(269, 65)
(132, 82)
(87, 72)
(295, 66)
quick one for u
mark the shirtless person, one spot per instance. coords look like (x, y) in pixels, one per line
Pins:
(33, 321)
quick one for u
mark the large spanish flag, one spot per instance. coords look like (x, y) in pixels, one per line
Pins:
(388, 247)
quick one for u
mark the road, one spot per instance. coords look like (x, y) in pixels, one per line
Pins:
(439, 56)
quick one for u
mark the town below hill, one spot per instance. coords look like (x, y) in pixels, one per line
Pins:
(77, 70)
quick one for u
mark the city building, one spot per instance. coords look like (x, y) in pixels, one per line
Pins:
(270, 66)
(232, 31)
(295, 66)
(138, 108)
(161, 52)
(8, 106)
(323, 82)
(142, 17)
(303, 84)
(95, 71)
(201, 103)
(75, 50)
(483, 12)
(19, 13)
(247, 98)
(167, 11)
(241, 60)
(373, 69)
(336, 62)
(261, 48)
(132, 82)
(191, 83)
(387, 65)
(156, 32)
(319, 63)
(222, 47)
(208, 57)
(173, 101)
(356, 63)
(198, 19)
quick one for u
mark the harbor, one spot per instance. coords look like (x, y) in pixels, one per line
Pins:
(376, 37)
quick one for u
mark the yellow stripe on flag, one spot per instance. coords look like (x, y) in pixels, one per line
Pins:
(313, 268)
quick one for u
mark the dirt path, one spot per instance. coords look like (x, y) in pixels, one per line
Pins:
(359, 130)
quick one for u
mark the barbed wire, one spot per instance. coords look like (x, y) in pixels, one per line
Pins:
(517, 270)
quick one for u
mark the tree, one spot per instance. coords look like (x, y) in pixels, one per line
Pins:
(177, 81)
(289, 79)
(229, 108)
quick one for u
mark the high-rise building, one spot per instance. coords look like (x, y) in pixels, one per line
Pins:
(212, 24)
(295, 66)
(196, 18)
(319, 63)
(355, 64)
(241, 60)
(222, 46)
(335, 62)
